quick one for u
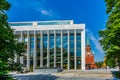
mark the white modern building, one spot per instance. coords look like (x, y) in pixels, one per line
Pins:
(51, 44)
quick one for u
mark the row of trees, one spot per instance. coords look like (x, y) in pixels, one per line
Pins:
(111, 35)
(9, 47)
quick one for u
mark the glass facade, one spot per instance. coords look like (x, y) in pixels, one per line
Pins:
(51, 50)
(54, 23)
(45, 50)
(72, 51)
(31, 50)
(58, 50)
(41, 23)
(65, 49)
(61, 49)
(38, 39)
(78, 53)
(20, 24)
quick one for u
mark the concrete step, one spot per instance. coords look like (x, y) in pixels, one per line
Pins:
(90, 74)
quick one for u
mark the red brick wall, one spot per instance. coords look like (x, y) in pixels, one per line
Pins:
(89, 58)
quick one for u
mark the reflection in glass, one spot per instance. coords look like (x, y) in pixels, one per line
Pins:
(58, 50)
(38, 49)
(51, 50)
(78, 46)
(71, 50)
(45, 50)
(65, 54)
(31, 50)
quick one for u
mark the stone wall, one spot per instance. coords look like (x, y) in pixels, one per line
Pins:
(46, 70)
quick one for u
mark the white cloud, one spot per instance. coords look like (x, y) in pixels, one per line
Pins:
(46, 10)
(95, 41)
(39, 6)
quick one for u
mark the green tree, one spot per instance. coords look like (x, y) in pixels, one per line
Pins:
(99, 64)
(8, 44)
(110, 36)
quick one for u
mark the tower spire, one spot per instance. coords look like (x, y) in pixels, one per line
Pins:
(88, 50)
(88, 40)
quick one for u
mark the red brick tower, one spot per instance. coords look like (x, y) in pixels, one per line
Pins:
(90, 64)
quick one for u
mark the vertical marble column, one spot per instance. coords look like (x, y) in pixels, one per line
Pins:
(83, 49)
(28, 50)
(21, 58)
(34, 55)
(41, 49)
(75, 57)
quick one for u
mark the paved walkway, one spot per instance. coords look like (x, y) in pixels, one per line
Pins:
(35, 76)
(51, 77)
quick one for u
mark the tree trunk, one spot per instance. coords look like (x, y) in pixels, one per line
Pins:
(119, 70)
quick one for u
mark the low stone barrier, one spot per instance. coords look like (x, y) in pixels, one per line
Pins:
(47, 70)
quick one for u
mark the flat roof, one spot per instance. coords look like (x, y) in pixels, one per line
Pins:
(32, 23)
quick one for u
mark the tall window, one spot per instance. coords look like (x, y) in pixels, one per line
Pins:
(31, 49)
(58, 50)
(45, 50)
(71, 50)
(38, 38)
(51, 50)
(65, 54)
(78, 46)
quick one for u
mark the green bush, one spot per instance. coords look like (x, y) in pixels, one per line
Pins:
(117, 75)
(6, 77)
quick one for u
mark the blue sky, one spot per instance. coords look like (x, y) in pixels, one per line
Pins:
(90, 12)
